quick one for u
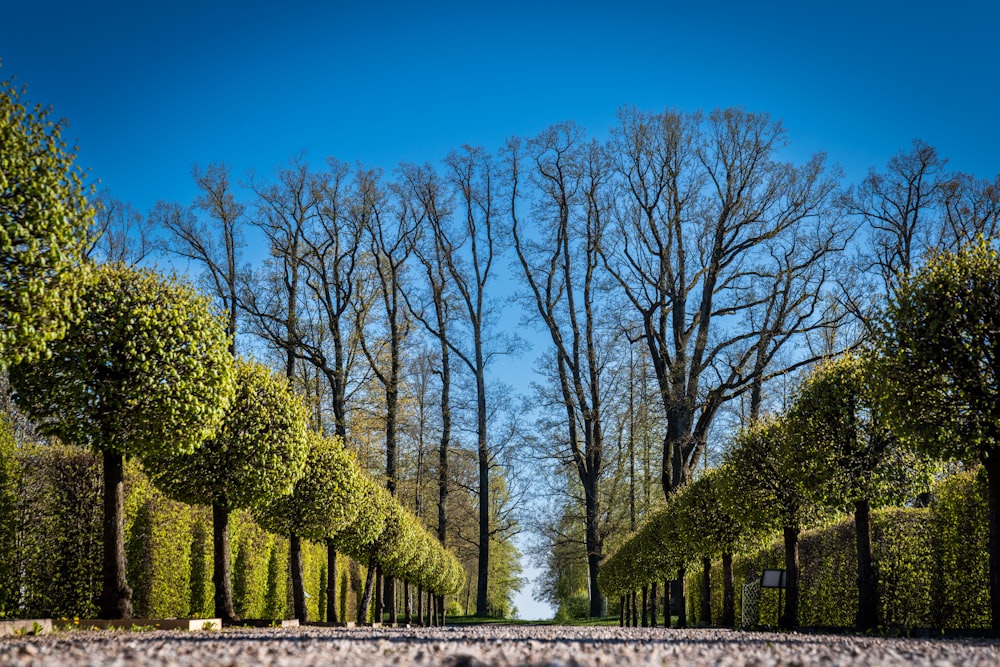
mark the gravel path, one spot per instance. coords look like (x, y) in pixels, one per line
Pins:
(474, 646)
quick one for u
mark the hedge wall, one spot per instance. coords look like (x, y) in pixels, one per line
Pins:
(932, 566)
(50, 545)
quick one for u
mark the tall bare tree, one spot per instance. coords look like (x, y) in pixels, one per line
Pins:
(387, 227)
(559, 255)
(286, 211)
(431, 206)
(704, 220)
(214, 244)
(468, 251)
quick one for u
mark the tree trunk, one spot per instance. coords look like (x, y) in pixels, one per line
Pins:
(992, 464)
(366, 597)
(681, 602)
(706, 591)
(221, 570)
(728, 592)
(790, 619)
(331, 582)
(116, 596)
(867, 618)
(653, 607)
(379, 615)
(594, 545)
(407, 604)
(645, 606)
(635, 609)
(389, 598)
(298, 581)
(667, 613)
(621, 612)
(483, 568)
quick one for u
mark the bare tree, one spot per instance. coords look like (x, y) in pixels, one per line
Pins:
(389, 234)
(707, 225)
(559, 255)
(214, 244)
(286, 211)
(898, 209)
(122, 234)
(468, 252)
(430, 207)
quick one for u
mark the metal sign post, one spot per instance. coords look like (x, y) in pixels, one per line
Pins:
(774, 579)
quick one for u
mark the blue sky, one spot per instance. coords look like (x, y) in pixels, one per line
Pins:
(152, 88)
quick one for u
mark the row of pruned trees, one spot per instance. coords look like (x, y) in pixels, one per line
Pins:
(146, 373)
(687, 273)
(861, 432)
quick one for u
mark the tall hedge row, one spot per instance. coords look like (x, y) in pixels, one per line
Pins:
(932, 566)
(50, 545)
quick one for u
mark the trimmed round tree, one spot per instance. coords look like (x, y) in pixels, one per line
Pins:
(777, 473)
(323, 502)
(835, 410)
(44, 225)
(257, 454)
(941, 353)
(146, 372)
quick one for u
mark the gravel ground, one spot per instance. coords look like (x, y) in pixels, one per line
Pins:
(474, 646)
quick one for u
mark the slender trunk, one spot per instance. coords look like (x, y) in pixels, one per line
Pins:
(331, 581)
(666, 604)
(706, 591)
(594, 544)
(483, 568)
(728, 592)
(420, 605)
(389, 598)
(635, 609)
(645, 606)
(298, 580)
(790, 619)
(443, 482)
(653, 606)
(221, 571)
(379, 616)
(116, 596)
(992, 464)
(867, 618)
(407, 604)
(366, 597)
(681, 602)
(621, 612)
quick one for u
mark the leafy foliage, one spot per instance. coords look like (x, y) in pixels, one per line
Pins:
(258, 452)
(940, 342)
(324, 499)
(145, 372)
(44, 225)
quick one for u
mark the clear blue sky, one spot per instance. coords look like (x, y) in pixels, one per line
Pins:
(152, 88)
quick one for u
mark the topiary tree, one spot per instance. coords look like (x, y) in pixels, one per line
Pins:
(257, 454)
(44, 226)
(146, 372)
(777, 474)
(323, 502)
(940, 344)
(711, 526)
(835, 411)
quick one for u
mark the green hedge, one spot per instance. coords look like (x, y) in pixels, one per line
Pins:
(50, 545)
(932, 566)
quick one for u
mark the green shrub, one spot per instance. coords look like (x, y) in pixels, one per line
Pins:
(961, 541)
